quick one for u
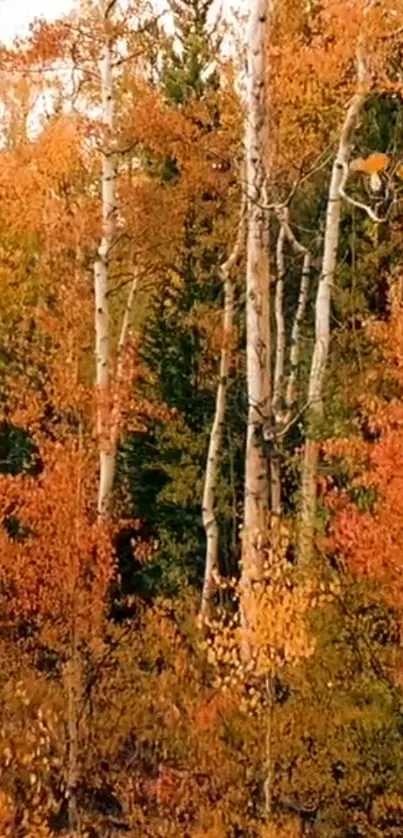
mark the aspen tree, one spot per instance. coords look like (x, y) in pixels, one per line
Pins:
(217, 431)
(101, 268)
(285, 387)
(256, 501)
(323, 304)
(108, 365)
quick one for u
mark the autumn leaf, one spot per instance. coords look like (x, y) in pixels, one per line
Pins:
(372, 166)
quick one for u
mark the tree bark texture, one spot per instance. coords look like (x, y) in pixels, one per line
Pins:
(258, 360)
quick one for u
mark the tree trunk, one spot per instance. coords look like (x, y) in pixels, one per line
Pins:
(256, 501)
(322, 320)
(116, 409)
(278, 382)
(101, 271)
(217, 431)
(280, 325)
(285, 393)
(295, 349)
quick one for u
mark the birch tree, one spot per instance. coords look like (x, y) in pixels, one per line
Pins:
(323, 304)
(285, 387)
(108, 364)
(217, 431)
(258, 361)
(101, 268)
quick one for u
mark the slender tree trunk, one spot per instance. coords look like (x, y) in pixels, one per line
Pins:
(280, 324)
(295, 352)
(118, 379)
(258, 361)
(322, 320)
(107, 385)
(217, 431)
(278, 382)
(285, 392)
(101, 271)
(285, 418)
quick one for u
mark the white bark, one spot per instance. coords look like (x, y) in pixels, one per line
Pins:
(283, 402)
(256, 503)
(280, 324)
(323, 304)
(217, 431)
(107, 384)
(116, 411)
(278, 382)
(295, 342)
(101, 271)
(295, 350)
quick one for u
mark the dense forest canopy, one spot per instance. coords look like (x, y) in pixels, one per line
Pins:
(201, 422)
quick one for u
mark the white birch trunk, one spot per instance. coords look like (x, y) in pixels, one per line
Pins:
(217, 431)
(101, 271)
(322, 319)
(295, 341)
(280, 325)
(116, 410)
(256, 501)
(284, 402)
(295, 351)
(278, 382)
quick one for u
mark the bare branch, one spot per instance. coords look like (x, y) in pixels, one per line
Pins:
(109, 8)
(278, 207)
(293, 419)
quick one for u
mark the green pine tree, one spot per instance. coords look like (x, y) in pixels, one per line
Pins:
(167, 488)
(189, 65)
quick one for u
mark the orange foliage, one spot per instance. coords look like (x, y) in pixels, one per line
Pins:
(59, 569)
(373, 164)
(212, 711)
(312, 57)
(369, 534)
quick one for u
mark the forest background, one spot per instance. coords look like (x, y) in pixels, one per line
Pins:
(201, 354)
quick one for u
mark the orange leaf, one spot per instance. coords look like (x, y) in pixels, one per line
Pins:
(373, 164)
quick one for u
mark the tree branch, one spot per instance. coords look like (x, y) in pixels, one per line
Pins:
(364, 207)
